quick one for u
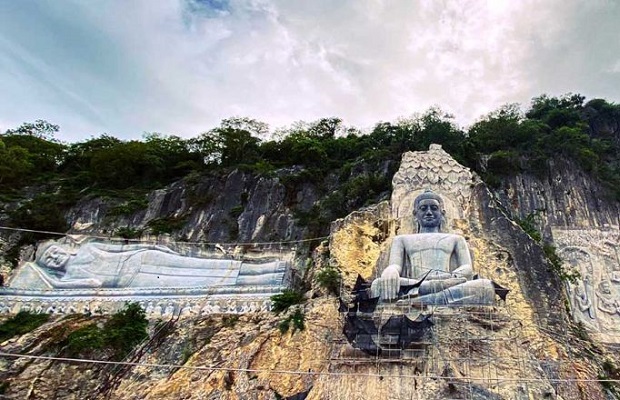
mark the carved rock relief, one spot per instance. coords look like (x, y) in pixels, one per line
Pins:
(154, 308)
(595, 297)
(100, 277)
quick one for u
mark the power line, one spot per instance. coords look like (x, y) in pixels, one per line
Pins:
(173, 241)
(294, 372)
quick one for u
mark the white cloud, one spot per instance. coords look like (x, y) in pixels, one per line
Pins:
(180, 67)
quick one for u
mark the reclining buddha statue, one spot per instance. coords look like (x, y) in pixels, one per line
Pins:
(107, 265)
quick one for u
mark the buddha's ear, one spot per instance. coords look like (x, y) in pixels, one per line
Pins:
(443, 223)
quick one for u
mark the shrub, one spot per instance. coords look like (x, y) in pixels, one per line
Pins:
(119, 335)
(229, 321)
(22, 322)
(281, 302)
(160, 226)
(329, 279)
(297, 319)
(126, 329)
(87, 338)
(557, 265)
(528, 224)
(128, 233)
(236, 211)
(129, 207)
(284, 325)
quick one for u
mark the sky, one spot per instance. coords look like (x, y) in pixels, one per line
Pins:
(179, 67)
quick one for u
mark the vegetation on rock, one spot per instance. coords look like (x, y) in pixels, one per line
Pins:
(118, 336)
(329, 279)
(505, 142)
(528, 224)
(282, 302)
(21, 323)
(297, 319)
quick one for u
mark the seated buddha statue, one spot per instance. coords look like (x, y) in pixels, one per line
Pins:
(436, 266)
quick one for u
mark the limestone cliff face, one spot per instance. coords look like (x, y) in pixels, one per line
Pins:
(250, 356)
(239, 207)
(524, 348)
(577, 217)
(566, 197)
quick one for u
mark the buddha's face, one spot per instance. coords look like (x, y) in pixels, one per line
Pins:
(428, 213)
(605, 288)
(54, 257)
(579, 291)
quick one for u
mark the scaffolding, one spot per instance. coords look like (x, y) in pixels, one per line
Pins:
(465, 352)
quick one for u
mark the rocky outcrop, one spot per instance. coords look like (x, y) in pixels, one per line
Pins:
(524, 348)
(214, 357)
(566, 197)
(239, 207)
(576, 216)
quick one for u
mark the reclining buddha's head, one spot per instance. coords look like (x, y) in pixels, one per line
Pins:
(52, 255)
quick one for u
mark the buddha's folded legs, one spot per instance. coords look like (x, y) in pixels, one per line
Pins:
(470, 293)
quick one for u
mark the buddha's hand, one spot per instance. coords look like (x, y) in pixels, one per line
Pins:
(90, 282)
(389, 283)
(439, 276)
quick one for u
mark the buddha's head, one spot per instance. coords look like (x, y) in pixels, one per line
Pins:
(52, 255)
(428, 212)
(604, 287)
(579, 291)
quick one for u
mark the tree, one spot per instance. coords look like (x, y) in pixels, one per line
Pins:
(255, 128)
(29, 152)
(39, 128)
(326, 128)
(126, 164)
(501, 129)
(14, 166)
(79, 154)
(44, 155)
(557, 111)
(603, 119)
(233, 143)
(176, 154)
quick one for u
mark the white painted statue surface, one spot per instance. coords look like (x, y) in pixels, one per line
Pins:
(103, 265)
(438, 264)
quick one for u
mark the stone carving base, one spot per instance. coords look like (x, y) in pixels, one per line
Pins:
(156, 303)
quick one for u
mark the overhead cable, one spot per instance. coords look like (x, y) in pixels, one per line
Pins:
(171, 241)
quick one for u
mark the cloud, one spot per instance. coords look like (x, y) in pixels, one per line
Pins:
(180, 67)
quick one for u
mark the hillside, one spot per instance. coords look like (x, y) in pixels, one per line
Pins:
(531, 194)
